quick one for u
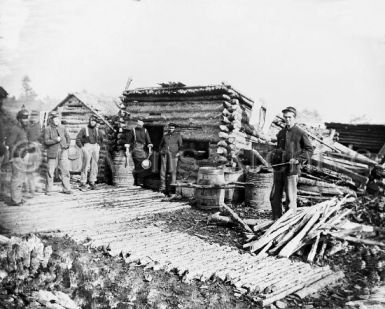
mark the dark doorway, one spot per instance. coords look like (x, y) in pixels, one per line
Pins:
(156, 134)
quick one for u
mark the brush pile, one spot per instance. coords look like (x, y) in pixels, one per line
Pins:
(309, 230)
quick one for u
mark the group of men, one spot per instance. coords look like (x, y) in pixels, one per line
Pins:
(25, 143)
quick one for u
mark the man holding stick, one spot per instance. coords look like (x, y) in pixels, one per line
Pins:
(293, 150)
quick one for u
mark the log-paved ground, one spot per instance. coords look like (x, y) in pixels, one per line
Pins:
(109, 217)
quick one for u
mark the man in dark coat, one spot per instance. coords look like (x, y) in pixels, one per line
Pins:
(57, 142)
(169, 147)
(293, 150)
(17, 143)
(90, 139)
(136, 140)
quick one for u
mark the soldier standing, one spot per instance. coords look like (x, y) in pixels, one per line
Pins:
(90, 139)
(57, 142)
(136, 140)
(170, 146)
(17, 143)
(293, 149)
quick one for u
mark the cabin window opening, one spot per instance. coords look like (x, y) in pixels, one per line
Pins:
(196, 149)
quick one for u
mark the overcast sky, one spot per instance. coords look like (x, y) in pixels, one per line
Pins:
(327, 55)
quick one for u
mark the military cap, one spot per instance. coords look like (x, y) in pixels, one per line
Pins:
(290, 109)
(94, 117)
(53, 114)
(22, 114)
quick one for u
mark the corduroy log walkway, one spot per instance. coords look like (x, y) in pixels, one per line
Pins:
(105, 217)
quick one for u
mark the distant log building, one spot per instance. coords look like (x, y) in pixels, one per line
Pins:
(361, 137)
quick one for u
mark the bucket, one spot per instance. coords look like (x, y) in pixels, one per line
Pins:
(122, 174)
(210, 198)
(257, 194)
(234, 195)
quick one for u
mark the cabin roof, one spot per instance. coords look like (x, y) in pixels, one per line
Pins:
(100, 105)
(188, 91)
(3, 93)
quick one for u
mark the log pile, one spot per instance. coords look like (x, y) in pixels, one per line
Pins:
(308, 231)
(121, 125)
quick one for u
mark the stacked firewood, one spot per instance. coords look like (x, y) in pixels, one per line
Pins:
(293, 231)
(317, 184)
(120, 126)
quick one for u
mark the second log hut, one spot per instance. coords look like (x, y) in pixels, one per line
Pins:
(75, 111)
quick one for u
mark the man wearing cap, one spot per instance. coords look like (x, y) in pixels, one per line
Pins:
(169, 147)
(137, 140)
(293, 150)
(90, 139)
(57, 142)
(17, 143)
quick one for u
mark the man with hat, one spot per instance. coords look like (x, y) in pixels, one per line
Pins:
(17, 143)
(90, 139)
(57, 142)
(137, 140)
(293, 150)
(169, 147)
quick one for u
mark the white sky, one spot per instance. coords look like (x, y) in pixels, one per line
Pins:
(327, 55)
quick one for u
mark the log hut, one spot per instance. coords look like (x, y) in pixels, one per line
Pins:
(75, 111)
(364, 138)
(214, 122)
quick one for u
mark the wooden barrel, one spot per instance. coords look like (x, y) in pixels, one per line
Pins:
(234, 195)
(210, 198)
(257, 194)
(122, 174)
(210, 176)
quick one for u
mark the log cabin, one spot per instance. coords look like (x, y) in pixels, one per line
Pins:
(364, 138)
(214, 122)
(75, 111)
